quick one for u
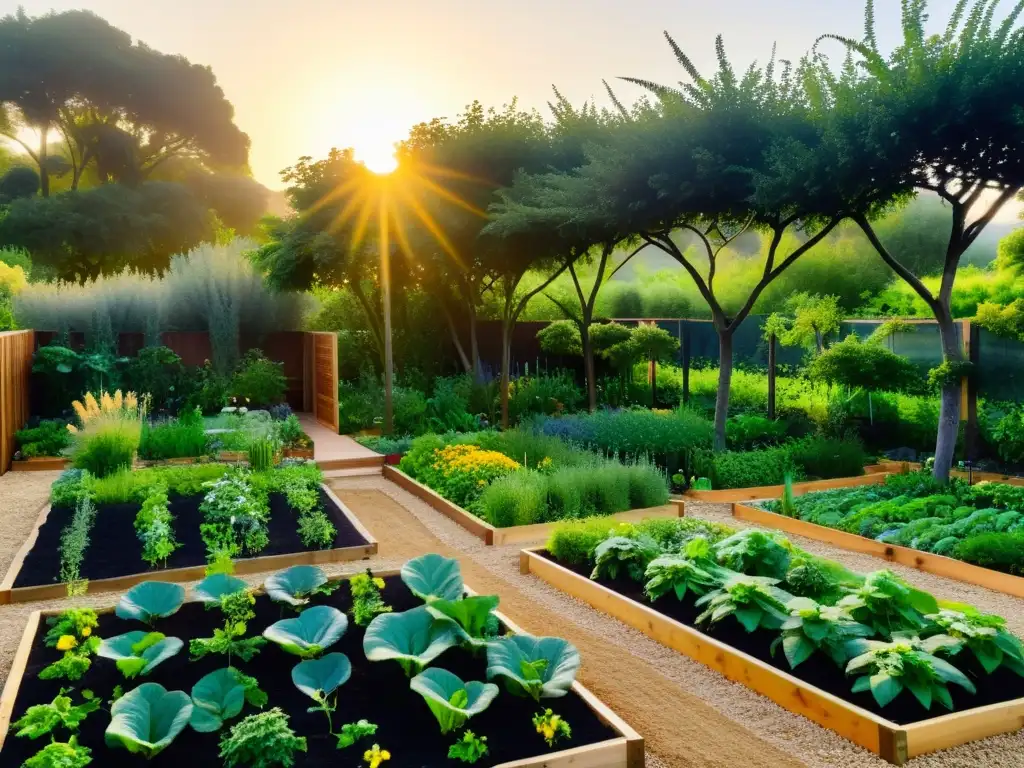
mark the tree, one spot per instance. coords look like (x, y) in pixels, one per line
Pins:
(814, 318)
(940, 114)
(561, 337)
(118, 106)
(1010, 253)
(101, 231)
(21, 181)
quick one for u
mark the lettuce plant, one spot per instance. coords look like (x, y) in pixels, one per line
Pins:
(41, 719)
(754, 553)
(413, 638)
(755, 601)
(886, 669)
(261, 741)
(469, 748)
(984, 635)
(59, 754)
(138, 653)
(535, 667)
(813, 627)
(309, 634)
(433, 577)
(146, 720)
(888, 604)
(451, 700)
(620, 553)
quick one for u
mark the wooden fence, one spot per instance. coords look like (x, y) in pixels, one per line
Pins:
(322, 378)
(16, 348)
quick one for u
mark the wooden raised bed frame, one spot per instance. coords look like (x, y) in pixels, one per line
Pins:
(890, 741)
(497, 537)
(775, 491)
(10, 594)
(912, 558)
(626, 750)
(40, 464)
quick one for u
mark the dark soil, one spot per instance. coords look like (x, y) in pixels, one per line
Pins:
(819, 670)
(376, 691)
(115, 550)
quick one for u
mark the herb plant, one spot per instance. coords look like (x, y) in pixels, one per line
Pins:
(551, 726)
(366, 598)
(237, 608)
(77, 622)
(316, 529)
(235, 515)
(76, 659)
(74, 541)
(264, 740)
(352, 732)
(59, 754)
(42, 719)
(469, 748)
(154, 525)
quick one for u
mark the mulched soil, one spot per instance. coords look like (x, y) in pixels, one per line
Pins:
(819, 670)
(115, 550)
(376, 691)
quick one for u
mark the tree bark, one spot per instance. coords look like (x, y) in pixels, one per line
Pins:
(474, 346)
(44, 173)
(588, 365)
(506, 364)
(772, 345)
(724, 380)
(949, 407)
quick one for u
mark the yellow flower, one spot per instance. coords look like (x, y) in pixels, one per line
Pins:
(131, 402)
(83, 415)
(378, 582)
(118, 400)
(106, 403)
(90, 403)
(375, 756)
(66, 643)
(86, 631)
(72, 429)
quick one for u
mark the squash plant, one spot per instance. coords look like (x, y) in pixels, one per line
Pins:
(889, 605)
(755, 601)
(814, 627)
(694, 571)
(622, 553)
(451, 700)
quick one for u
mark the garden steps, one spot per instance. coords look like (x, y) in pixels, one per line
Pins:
(332, 451)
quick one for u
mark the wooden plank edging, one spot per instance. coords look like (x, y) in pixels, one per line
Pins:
(40, 464)
(939, 565)
(728, 495)
(519, 534)
(244, 565)
(625, 750)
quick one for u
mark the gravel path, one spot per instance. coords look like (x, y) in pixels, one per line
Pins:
(689, 715)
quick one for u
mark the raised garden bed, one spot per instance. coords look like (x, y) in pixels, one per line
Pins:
(940, 565)
(376, 691)
(813, 691)
(493, 536)
(114, 560)
(728, 495)
(40, 464)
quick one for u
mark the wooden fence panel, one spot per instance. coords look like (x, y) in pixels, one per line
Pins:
(323, 353)
(16, 348)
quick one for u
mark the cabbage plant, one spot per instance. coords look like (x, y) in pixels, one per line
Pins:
(413, 638)
(151, 600)
(433, 577)
(473, 616)
(451, 700)
(535, 667)
(310, 633)
(147, 719)
(138, 653)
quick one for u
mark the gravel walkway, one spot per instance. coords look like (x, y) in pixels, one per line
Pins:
(689, 715)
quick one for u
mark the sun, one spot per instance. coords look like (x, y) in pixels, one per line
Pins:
(378, 156)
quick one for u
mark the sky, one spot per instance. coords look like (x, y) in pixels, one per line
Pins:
(308, 75)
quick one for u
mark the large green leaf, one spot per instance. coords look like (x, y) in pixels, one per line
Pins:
(151, 600)
(414, 638)
(139, 652)
(214, 587)
(433, 577)
(146, 720)
(538, 667)
(324, 674)
(294, 585)
(310, 633)
(217, 697)
(470, 614)
(451, 700)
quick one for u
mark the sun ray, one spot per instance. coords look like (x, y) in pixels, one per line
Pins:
(451, 197)
(432, 226)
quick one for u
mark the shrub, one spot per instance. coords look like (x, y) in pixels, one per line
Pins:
(50, 438)
(210, 392)
(259, 382)
(68, 488)
(573, 543)
(533, 449)
(518, 498)
(178, 438)
(160, 372)
(746, 432)
(543, 394)
(106, 447)
(647, 486)
(827, 458)
(290, 432)
(748, 469)
(448, 409)
(998, 551)
(1008, 435)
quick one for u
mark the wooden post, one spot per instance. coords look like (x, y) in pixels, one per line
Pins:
(969, 405)
(771, 375)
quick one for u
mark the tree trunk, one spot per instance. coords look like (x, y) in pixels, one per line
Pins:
(474, 346)
(506, 364)
(949, 408)
(772, 344)
(652, 375)
(724, 380)
(44, 173)
(686, 364)
(819, 341)
(467, 366)
(588, 366)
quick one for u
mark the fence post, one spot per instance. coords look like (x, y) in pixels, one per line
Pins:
(969, 389)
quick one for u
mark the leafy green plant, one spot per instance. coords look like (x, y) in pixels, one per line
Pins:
(469, 748)
(551, 726)
(68, 488)
(366, 598)
(474, 617)
(309, 634)
(77, 622)
(264, 740)
(147, 719)
(451, 700)
(755, 553)
(352, 732)
(886, 669)
(76, 659)
(413, 638)
(998, 551)
(258, 381)
(184, 437)
(151, 600)
(754, 601)
(261, 454)
(59, 754)
(235, 516)
(813, 627)
(154, 525)
(316, 529)
(632, 554)
(984, 635)
(237, 608)
(50, 438)
(888, 604)
(295, 586)
(216, 698)
(694, 570)
(74, 541)
(138, 653)
(42, 719)
(534, 667)
(106, 447)
(216, 586)
(319, 678)
(433, 577)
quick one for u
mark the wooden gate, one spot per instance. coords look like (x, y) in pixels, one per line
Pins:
(16, 348)
(322, 378)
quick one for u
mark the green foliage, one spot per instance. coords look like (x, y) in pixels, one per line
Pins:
(814, 627)
(886, 669)
(745, 432)
(259, 382)
(50, 438)
(889, 605)
(216, 698)
(1008, 434)
(352, 732)
(693, 571)
(151, 600)
(620, 553)
(857, 365)
(295, 586)
(68, 488)
(77, 622)
(261, 454)
(543, 394)
(74, 541)
(755, 553)
(1006, 321)
(533, 667)
(551, 727)
(42, 719)
(159, 372)
(433, 577)
(474, 616)
(261, 741)
(154, 525)
(413, 638)
(814, 318)
(147, 719)
(310, 633)
(984, 635)
(949, 372)
(59, 754)
(106, 448)
(138, 653)
(316, 530)
(574, 542)
(998, 551)
(237, 608)
(469, 748)
(184, 437)
(754, 601)
(561, 337)
(235, 514)
(451, 700)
